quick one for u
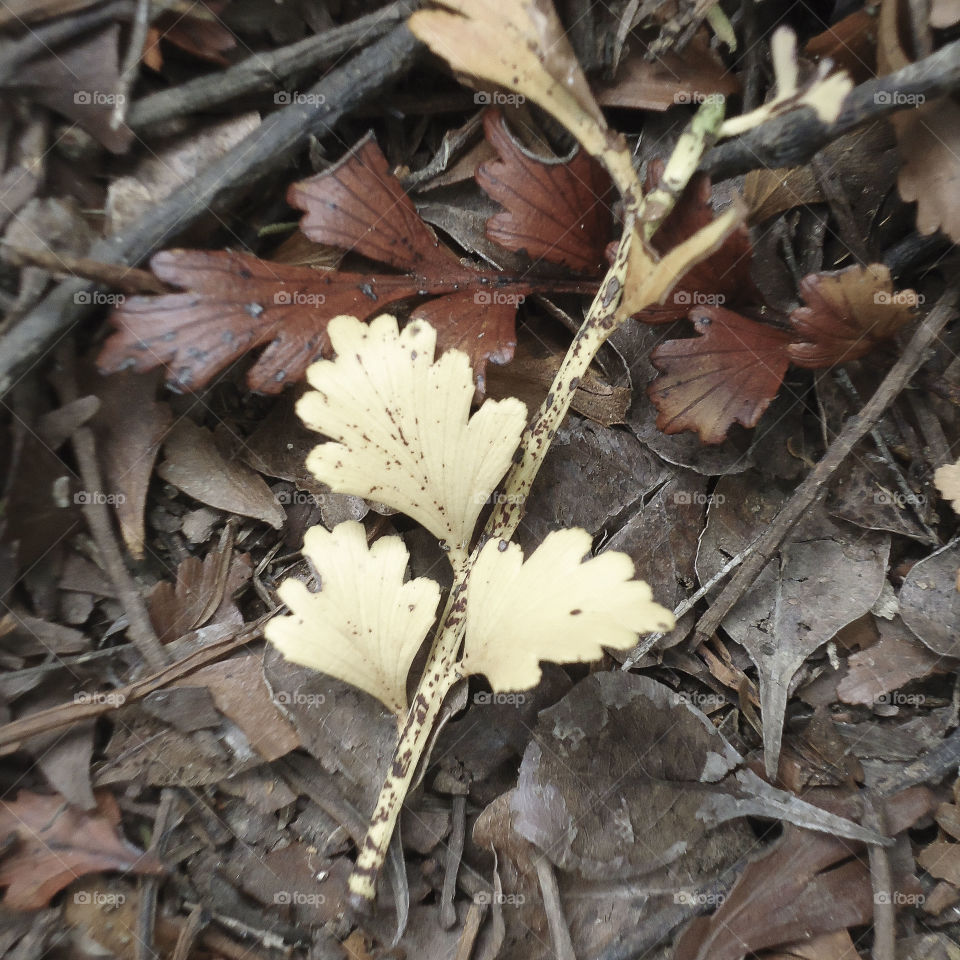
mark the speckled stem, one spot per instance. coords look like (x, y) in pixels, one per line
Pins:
(441, 670)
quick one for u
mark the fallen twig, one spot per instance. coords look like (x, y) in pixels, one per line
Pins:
(813, 485)
(266, 149)
(262, 72)
(71, 712)
(792, 139)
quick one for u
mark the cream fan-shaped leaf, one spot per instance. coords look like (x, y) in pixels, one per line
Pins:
(554, 606)
(365, 624)
(947, 479)
(403, 425)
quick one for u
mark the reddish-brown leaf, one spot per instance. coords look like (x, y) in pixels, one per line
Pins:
(54, 843)
(848, 313)
(237, 302)
(728, 374)
(723, 278)
(556, 211)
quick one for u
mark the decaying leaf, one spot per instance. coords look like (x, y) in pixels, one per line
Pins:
(825, 576)
(56, 843)
(805, 885)
(238, 689)
(930, 600)
(552, 606)
(235, 302)
(403, 428)
(895, 659)
(626, 778)
(848, 313)
(129, 427)
(193, 464)
(928, 138)
(558, 211)
(729, 374)
(77, 82)
(364, 625)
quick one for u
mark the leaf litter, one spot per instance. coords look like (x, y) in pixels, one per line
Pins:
(602, 805)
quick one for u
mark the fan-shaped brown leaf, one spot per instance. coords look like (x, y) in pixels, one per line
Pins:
(730, 373)
(556, 211)
(848, 313)
(237, 302)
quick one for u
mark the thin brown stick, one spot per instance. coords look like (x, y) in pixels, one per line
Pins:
(128, 280)
(67, 714)
(97, 514)
(881, 879)
(262, 72)
(813, 485)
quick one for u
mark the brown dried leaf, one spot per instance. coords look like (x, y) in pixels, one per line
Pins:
(798, 890)
(557, 211)
(79, 82)
(848, 313)
(885, 666)
(55, 843)
(239, 302)
(241, 693)
(928, 137)
(669, 79)
(130, 426)
(203, 591)
(729, 374)
(194, 465)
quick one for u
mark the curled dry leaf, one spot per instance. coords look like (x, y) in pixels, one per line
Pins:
(364, 625)
(556, 211)
(728, 375)
(54, 843)
(848, 313)
(553, 606)
(403, 428)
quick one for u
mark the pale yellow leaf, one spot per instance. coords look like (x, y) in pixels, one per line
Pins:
(365, 624)
(554, 606)
(403, 425)
(947, 479)
(823, 93)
